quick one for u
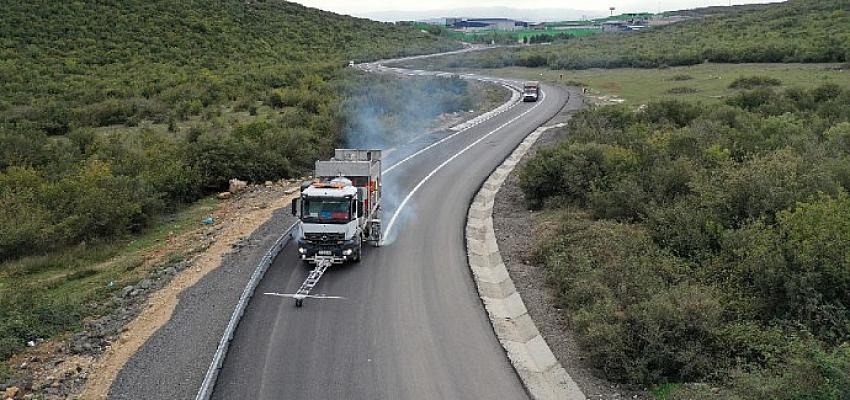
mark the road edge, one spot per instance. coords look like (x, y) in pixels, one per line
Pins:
(206, 389)
(542, 375)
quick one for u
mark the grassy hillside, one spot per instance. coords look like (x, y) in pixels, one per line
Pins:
(171, 81)
(793, 31)
(116, 115)
(88, 64)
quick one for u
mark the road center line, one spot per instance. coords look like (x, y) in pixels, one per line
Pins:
(439, 167)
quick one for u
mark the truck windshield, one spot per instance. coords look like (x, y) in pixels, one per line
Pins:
(326, 210)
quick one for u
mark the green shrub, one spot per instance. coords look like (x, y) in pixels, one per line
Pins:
(810, 373)
(636, 322)
(752, 99)
(682, 90)
(752, 82)
(799, 268)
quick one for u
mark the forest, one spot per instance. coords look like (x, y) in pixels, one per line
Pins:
(702, 248)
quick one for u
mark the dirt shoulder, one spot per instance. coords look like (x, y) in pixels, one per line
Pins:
(516, 233)
(85, 365)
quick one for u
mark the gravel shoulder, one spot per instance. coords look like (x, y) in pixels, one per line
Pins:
(516, 235)
(172, 361)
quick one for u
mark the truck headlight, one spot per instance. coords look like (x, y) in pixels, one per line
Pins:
(302, 250)
(347, 252)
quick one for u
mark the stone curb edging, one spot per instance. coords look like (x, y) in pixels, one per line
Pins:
(205, 391)
(541, 373)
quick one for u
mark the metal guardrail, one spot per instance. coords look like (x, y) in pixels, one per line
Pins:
(210, 378)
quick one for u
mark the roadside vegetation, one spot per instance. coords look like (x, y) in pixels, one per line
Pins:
(706, 243)
(117, 118)
(696, 233)
(796, 31)
(707, 83)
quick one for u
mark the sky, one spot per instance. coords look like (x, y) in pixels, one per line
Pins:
(364, 7)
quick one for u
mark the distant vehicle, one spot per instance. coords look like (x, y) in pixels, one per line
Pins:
(531, 91)
(341, 208)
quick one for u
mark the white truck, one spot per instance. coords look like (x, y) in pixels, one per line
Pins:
(340, 208)
(531, 91)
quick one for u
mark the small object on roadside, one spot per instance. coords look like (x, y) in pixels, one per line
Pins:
(224, 195)
(208, 221)
(31, 343)
(110, 284)
(237, 186)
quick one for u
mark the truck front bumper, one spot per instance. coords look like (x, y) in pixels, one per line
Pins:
(340, 253)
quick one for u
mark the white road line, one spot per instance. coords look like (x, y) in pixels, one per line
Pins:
(439, 167)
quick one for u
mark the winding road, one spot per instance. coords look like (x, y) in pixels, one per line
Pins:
(411, 325)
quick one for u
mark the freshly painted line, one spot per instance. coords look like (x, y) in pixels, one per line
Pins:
(439, 167)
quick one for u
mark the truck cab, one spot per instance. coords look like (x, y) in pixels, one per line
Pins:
(530, 91)
(340, 209)
(330, 225)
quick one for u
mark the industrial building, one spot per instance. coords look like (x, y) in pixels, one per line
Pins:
(481, 24)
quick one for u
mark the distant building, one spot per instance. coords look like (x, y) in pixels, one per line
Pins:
(615, 26)
(624, 26)
(479, 24)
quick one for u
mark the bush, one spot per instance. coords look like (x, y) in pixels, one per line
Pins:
(752, 82)
(636, 322)
(571, 172)
(682, 90)
(752, 99)
(798, 269)
(811, 373)
(674, 112)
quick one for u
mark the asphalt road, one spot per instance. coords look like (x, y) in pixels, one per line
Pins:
(411, 325)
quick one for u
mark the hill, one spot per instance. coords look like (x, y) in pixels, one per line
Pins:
(718, 10)
(794, 31)
(114, 112)
(58, 57)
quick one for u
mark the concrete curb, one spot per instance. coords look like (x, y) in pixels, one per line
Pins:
(541, 373)
(205, 391)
